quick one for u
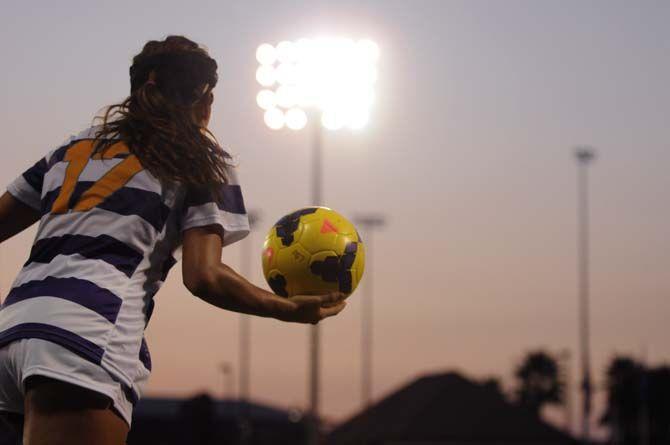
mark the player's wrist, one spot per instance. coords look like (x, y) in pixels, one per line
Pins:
(278, 307)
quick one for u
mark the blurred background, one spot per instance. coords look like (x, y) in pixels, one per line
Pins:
(469, 157)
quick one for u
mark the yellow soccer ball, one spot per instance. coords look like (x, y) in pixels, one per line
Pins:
(313, 250)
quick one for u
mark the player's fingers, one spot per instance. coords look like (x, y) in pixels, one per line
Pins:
(332, 298)
(307, 300)
(330, 311)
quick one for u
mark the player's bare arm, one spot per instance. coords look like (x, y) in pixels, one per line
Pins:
(15, 216)
(216, 283)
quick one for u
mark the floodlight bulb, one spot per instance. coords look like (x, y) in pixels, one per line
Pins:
(332, 120)
(296, 119)
(286, 51)
(369, 48)
(287, 96)
(303, 49)
(265, 75)
(370, 74)
(266, 99)
(274, 118)
(359, 119)
(266, 54)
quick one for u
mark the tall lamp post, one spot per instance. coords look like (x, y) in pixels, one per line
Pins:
(332, 79)
(564, 357)
(245, 320)
(227, 373)
(584, 155)
(367, 223)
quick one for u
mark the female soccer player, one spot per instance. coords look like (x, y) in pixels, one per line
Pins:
(117, 206)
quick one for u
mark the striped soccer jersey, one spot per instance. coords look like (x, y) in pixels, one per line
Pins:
(108, 235)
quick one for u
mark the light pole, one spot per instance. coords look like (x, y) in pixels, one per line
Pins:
(245, 320)
(584, 155)
(227, 372)
(315, 330)
(333, 79)
(565, 357)
(367, 223)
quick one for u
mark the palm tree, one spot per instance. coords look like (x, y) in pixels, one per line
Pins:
(657, 395)
(638, 402)
(624, 378)
(538, 381)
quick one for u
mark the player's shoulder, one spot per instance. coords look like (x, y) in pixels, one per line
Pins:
(88, 133)
(55, 155)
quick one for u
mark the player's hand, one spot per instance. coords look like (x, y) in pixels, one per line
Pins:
(314, 308)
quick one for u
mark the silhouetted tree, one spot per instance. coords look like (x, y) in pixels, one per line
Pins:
(638, 402)
(493, 384)
(538, 381)
(624, 378)
(658, 396)
(197, 420)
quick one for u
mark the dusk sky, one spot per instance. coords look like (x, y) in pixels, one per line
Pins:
(469, 155)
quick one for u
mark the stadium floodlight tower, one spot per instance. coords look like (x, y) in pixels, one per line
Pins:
(584, 156)
(367, 223)
(326, 82)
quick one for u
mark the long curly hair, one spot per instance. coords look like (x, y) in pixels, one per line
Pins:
(162, 121)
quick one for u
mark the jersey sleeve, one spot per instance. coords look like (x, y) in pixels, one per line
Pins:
(226, 210)
(27, 188)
